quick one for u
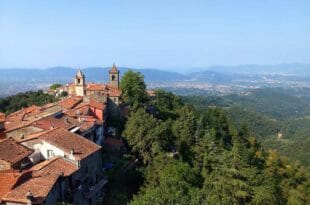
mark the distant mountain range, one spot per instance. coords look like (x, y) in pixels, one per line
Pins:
(283, 69)
(17, 79)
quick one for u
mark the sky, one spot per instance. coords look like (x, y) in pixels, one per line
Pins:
(165, 34)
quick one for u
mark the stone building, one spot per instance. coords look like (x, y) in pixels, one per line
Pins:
(79, 84)
(83, 157)
(108, 91)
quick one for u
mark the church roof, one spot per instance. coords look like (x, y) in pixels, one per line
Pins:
(79, 73)
(113, 69)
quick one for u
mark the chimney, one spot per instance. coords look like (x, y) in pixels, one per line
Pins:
(72, 151)
(29, 197)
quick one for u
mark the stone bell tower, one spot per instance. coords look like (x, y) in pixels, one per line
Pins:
(79, 82)
(114, 76)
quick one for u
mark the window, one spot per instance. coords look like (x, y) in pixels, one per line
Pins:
(113, 77)
(50, 153)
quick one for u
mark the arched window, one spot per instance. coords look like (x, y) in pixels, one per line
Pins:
(113, 77)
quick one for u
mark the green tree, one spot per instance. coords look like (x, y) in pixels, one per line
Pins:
(146, 135)
(55, 86)
(64, 94)
(133, 88)
(177, 185)
(21, 100)
(184, 131)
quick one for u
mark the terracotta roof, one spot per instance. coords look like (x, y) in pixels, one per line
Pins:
(12, 152)
(95, 87)
(113, 69)
(40, 184)
(110, 89)
(81, 109)
(70, 102)
(23, 113)
(52, 121)
(96, 104)
(29, 115)
(2, 117)
(56, 165)
(31, 136)
(8, 179)
(114, 91)
(48, 105)
(69, 141)
(88, 122)
(9, 126)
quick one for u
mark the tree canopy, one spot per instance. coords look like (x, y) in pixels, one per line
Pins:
(193, 157)
(55, 86)
(133, 87)
(21, 100)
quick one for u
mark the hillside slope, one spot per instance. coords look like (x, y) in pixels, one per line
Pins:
(278, 117)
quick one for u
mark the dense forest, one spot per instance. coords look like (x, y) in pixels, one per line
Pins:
(278, 117)
(200, 156)
(16, 102)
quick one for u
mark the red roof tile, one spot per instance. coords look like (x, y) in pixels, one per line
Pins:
(40, 184)
(95, 87)
(8, 179)
(71, 102)
(114, 91)
(32, 136)
(12, 152)
(22, 114)
(110, 89)
(69, 141)
(56, 165)
(97, 104)
(52, 121)
(82, 109)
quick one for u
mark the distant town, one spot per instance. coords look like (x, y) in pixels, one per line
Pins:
(213, 80)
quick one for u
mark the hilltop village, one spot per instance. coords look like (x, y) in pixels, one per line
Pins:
(53, 153)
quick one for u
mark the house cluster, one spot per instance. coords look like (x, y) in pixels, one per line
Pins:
(53, 153)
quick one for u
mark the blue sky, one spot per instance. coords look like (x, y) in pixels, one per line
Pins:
(166, 34)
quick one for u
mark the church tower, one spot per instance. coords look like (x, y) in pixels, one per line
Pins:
(114, 76)
(79, 83)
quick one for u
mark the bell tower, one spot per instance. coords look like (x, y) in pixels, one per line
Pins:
(114, 76)
(79, 82)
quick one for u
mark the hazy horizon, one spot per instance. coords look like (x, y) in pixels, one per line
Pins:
(166, 35)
